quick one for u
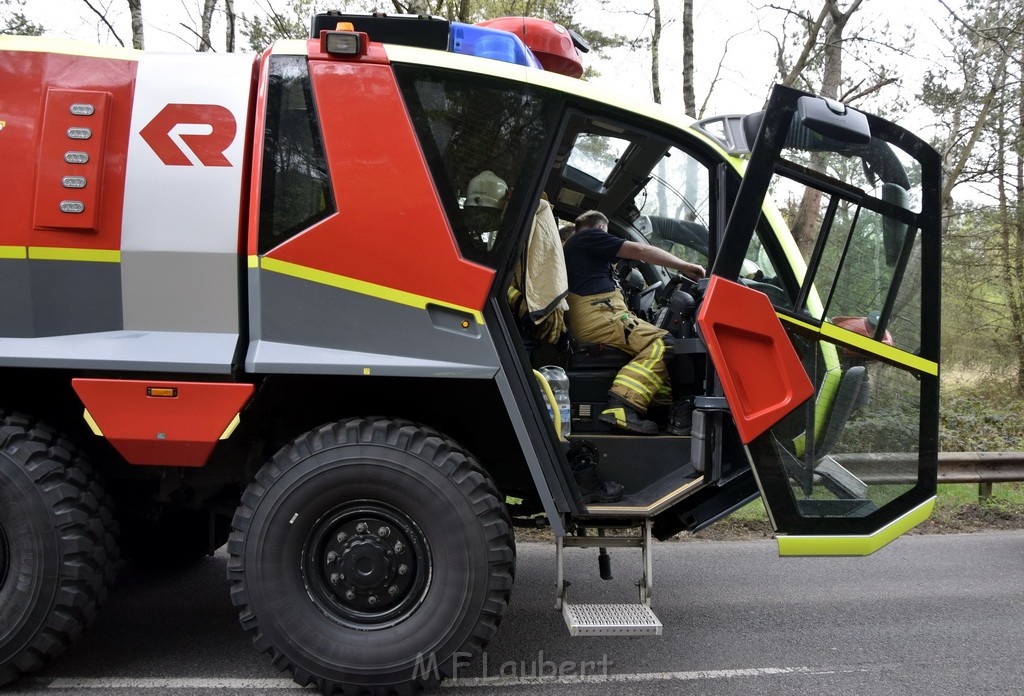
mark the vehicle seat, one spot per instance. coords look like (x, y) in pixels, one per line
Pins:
(591, 356)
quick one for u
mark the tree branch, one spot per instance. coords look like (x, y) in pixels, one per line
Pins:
(103, 17)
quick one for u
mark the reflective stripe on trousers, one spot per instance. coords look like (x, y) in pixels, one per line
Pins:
(605, 319)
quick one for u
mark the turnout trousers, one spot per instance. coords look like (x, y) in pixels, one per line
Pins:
(605, 319)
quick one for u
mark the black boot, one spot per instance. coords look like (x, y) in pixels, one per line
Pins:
(594, 490)
(625, 416)
(680, 420)
(583, 460)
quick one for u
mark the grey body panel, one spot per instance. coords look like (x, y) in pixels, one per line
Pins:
(180, 291)
(271, 357)
(70, 314)
(151, 351)
(16, 308)
(57, 298)
(300, 326)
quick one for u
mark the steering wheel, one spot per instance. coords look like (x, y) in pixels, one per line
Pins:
(776, 294)
(678, 280)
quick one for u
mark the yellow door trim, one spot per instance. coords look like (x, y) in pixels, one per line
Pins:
(863, 545)
(67, 254)
(360, 286)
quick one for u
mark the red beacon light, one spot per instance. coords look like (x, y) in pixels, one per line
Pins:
(557, 48)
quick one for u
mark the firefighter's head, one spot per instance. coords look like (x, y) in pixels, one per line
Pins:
(486, 190)
(486, 196)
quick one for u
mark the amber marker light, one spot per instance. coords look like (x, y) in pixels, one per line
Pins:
(163, 392)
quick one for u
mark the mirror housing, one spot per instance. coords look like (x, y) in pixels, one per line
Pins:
(832, 119)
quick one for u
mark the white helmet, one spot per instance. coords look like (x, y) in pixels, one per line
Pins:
(486, 190)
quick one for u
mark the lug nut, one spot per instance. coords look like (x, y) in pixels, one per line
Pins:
(383, 532)
(332, 557)
(361, 527)
(403, 569)
(393, 590)
(342, 537)
(335, 578)
(350, 595)
(372, 600)
(399, 547)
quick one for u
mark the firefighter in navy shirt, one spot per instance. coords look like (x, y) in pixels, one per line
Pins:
(598, 314)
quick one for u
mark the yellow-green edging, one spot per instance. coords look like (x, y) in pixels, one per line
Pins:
(855, 545)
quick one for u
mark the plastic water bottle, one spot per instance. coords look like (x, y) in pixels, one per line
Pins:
(559, 383)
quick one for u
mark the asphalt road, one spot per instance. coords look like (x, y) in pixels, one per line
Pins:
(928, 614)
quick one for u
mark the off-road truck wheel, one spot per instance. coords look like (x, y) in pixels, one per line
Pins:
(58, 551)
(371, 556)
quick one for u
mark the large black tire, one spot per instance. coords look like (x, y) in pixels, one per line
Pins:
(321, 539)
(58, 551)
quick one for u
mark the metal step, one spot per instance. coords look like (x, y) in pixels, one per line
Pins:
(610, 620)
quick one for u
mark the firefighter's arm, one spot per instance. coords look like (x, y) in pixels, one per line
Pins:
(660, 257)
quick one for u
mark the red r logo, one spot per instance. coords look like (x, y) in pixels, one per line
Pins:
(208, 148)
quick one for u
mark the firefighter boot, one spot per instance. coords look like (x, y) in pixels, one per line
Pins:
(680, 420)
(625, 416)
(582, 458)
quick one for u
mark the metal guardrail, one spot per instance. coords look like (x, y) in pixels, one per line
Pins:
(983, 468)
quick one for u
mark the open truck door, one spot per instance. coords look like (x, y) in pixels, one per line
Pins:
(834, 394)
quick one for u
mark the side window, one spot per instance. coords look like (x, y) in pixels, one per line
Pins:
(296, 187)
(674, 205)
(484, 141)
(862, 258)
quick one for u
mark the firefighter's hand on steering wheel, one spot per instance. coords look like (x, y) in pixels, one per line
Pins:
(692, 271)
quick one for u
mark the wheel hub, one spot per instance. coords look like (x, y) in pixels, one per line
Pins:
(366, 565)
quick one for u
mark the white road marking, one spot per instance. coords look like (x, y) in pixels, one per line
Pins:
(460, 682)
(527, 680)
(172, 683)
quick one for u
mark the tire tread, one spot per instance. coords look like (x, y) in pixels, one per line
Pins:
(82, 515)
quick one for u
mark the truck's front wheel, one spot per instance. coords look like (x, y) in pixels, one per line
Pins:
(371, 553)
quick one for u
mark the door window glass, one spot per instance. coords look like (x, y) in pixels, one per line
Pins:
(484, 140)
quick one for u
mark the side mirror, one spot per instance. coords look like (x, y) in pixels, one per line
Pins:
(893, 231)
(831, 119)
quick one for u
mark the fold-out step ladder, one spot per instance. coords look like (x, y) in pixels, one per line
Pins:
(608, 619)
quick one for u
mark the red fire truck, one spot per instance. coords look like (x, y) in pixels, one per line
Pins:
(246, 300)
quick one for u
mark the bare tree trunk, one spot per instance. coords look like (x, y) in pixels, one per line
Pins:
(805, 226)
(138, 39)
(412, 6)
(655, 49)
(791, 75)
(1015, 262)
(204, 37)
(229, 15)
(689, 98)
